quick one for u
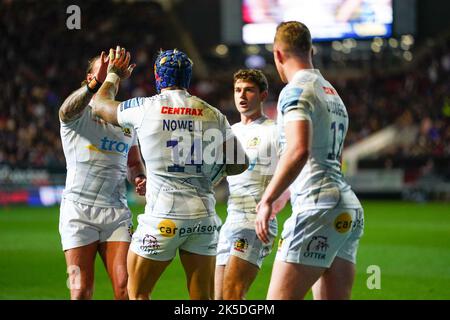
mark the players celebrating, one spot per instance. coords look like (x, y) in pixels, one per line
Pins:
(181, 138)
(94, 215)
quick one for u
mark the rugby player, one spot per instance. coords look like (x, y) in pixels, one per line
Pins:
(240, 253)
(94, 215)
(320, 239)
(177, 132)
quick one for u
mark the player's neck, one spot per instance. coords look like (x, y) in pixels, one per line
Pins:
(247, 119)
(172, 88)
(295, 65)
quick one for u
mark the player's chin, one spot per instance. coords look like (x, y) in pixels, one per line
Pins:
(241, 111)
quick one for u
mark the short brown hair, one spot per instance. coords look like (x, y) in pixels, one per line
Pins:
(295, 36)
(91, 63)
(254, 75)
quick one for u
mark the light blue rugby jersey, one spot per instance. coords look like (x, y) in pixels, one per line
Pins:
(320, 184)
(177, 133)
(96, 154)
(260, 142)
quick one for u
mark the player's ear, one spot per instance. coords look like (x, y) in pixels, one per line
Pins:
(278, 55)
(264, 95)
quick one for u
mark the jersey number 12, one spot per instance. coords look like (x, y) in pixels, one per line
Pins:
(338, 140)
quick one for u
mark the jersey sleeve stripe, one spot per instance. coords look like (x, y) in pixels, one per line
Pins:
(290, 98)
(132, 103)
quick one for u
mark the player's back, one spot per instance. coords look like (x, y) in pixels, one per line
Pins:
(320, 184)
(179, 135)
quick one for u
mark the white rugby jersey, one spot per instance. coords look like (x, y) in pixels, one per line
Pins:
(96, 155)
(320, 184)
(179, 136)
(260, 142)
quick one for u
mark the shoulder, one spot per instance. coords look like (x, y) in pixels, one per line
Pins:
(235, 126)
(140, 102)
(290, 95)
(209, 109)
(86, 113)
(268, 123)
(301, 88)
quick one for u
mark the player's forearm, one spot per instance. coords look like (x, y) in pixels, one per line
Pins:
(135, 165)
(74, 105)
(105, 106)
(289, 167)
(135, 170)
(109, 88)
(236, 161)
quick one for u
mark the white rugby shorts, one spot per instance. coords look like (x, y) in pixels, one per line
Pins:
(160, 238)
(316, 237)
(81, 224)
(238, 238)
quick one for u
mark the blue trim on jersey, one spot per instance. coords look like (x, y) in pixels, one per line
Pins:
(132, 103)
(290, 97)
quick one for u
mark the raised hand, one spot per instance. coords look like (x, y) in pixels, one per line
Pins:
(119, 62)
(100, 75)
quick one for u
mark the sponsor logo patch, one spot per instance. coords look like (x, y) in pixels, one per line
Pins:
(109, 146)
(167, 228)
(317, 248)
(329, 90)
(241, 245)
(126, 132)
(150, 244)
(343, 222)
(253, 142)
(196, 112)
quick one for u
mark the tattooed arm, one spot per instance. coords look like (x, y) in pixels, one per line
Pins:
(74, 105)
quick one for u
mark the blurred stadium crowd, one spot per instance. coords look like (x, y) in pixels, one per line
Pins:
(42, 63)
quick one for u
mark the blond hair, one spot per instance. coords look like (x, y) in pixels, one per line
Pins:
(294, 37)
(89, 68)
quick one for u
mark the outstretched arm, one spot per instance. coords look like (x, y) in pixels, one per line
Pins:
(74, 105)
(290, 164)
(105, 105)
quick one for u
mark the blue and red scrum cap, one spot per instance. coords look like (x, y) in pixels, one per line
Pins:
(172, 68)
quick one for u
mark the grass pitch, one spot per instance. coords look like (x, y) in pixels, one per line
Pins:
(409, 242)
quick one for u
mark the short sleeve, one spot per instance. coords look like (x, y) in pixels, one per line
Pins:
(130, 112)
(295, 103)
